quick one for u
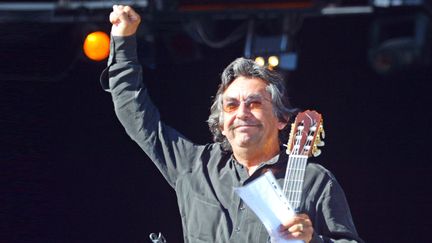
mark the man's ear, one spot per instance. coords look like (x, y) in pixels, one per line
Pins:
(281, 125)
(222, 130)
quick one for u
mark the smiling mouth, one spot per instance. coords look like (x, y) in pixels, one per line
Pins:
(245, 126)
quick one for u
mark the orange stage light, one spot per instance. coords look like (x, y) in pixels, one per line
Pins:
(96, 46)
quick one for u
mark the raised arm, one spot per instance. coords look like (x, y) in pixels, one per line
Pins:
(171, 152)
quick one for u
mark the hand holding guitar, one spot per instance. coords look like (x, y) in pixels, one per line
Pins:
(298, 227)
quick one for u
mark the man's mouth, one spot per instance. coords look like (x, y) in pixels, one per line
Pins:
(244, 126)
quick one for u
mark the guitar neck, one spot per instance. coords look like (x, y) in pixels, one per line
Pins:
(305, 137)
(294, 177)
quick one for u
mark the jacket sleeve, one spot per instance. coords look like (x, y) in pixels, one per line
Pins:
(171, 152)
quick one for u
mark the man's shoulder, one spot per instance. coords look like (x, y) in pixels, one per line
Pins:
(213, 153)
(216, 149)
(317, 171)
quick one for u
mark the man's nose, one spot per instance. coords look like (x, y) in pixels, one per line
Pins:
(243, 110)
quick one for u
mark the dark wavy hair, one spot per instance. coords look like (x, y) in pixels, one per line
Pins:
(242, 67)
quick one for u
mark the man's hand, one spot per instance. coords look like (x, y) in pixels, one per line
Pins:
(124, 21)
(299, 227)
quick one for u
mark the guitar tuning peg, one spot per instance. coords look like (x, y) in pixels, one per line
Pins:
(320, 143)
(316, 152)
(321, 131)
(287, 148)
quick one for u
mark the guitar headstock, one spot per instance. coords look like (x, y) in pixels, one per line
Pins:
(306, 134)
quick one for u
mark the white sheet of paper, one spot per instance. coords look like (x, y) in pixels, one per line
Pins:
(265, 197)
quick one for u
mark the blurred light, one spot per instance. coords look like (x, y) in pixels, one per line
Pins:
(260, 61)
(272, 48)
(395, 3)
(273, 61)
(96, 46)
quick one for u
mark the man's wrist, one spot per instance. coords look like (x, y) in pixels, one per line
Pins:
(124, 47)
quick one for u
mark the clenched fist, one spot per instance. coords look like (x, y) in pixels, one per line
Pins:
(124, 21)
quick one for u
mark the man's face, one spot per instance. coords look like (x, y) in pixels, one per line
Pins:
(248, 117)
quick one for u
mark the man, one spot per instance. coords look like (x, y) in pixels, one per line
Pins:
(248, 114)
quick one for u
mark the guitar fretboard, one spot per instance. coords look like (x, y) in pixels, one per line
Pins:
(294, 177)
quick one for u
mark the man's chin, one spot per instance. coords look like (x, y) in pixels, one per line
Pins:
(246, 141)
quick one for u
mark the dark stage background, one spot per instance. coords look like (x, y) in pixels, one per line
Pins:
(69, 173)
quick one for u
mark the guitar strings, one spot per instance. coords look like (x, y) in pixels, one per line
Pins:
(291, 171)
(290, 163)
(295, 171)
